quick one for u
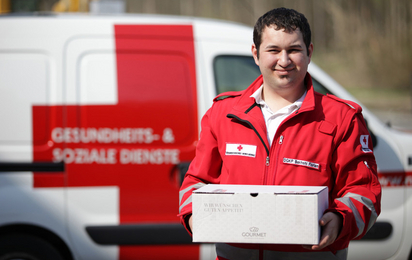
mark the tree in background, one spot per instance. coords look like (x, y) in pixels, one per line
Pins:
(363, 44)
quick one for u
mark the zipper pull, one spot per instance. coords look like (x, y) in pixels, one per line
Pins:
(267, 161)
(366, 163)
(281, 139)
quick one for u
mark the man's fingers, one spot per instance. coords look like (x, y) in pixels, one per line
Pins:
(325, 219)
(324, 241)
(330, 223)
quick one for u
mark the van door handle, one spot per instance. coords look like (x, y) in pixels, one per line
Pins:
(31, 167)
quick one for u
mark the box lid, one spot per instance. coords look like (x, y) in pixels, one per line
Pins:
(276, 189)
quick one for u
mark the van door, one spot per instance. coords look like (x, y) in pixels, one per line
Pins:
(130, 117)
(25, 82)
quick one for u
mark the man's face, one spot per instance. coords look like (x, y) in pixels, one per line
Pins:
(283, 58)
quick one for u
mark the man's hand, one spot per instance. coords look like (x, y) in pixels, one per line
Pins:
(190, 223)
(331, 224)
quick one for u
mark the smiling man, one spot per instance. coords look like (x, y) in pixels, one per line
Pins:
(282, 120)
(283, 60)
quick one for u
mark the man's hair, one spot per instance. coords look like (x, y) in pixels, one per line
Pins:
(285, 19)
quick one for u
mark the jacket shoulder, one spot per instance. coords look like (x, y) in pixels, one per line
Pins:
(351, 104)
(225, 95)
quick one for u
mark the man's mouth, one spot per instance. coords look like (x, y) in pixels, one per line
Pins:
(284, 71)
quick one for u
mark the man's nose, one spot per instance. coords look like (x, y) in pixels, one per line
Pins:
(284, 59)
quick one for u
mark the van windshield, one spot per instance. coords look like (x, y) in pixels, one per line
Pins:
(234, 73)
(237, 72)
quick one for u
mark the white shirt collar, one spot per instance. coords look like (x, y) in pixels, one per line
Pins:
(257, 95)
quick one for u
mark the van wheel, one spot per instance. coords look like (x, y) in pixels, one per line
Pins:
(27, 247)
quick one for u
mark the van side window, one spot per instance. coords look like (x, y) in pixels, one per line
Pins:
(234, 72)
(319, 87)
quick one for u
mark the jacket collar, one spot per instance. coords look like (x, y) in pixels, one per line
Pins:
(248, 111)
(246, 104)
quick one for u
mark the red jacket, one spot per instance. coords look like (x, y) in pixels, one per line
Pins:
(324, 143)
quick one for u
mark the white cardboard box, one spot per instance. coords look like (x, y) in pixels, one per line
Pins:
(258, 214)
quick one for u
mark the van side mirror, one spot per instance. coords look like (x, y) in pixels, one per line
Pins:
(373, 136)
(178, 172)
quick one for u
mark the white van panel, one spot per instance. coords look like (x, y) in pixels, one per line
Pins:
(98, 79)
(92, 206)
(21, 72)
(91, 73)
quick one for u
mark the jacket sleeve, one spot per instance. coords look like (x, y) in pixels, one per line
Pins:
(204, 169)
(356, 194)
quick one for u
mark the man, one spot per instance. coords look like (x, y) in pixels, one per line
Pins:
(285, 122)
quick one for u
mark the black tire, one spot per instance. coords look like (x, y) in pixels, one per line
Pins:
(18, 246)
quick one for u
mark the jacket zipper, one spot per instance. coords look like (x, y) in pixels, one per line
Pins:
(267, 163)
(261, 139)
(265, 179)
(277, 156)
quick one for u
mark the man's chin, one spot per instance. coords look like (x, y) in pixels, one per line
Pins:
(286, 77)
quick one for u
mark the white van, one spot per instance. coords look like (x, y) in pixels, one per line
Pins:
(100, 118)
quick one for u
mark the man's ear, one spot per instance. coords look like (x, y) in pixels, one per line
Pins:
(255, 54)
(310, 50)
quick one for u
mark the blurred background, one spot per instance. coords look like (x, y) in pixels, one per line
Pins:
(365, 45)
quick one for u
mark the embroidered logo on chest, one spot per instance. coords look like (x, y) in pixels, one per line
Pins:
(241, 150)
